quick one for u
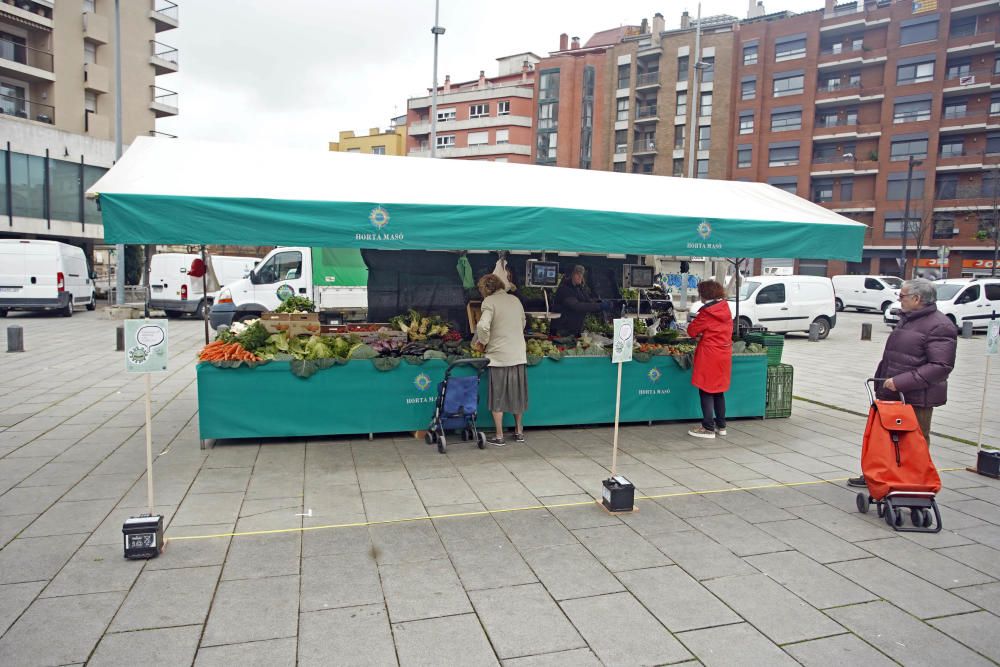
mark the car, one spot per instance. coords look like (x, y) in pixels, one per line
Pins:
(974, 300)
(866, 292)
(176, 293)
(784, 304)
(44, 275)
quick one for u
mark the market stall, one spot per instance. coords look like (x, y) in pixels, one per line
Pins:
(176, 191)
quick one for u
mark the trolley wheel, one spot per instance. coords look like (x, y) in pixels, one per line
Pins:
(880, 508)
(916, 516)
(862, 502)
(430, 437)
(466, 436)
(928, 518)
(481, 439)
(898, 515)
(887, 513)
(442, 444)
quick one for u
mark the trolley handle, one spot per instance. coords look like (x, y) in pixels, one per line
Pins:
(477, 363)
(871, 389)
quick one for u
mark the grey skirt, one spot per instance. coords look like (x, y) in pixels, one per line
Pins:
(508, 389)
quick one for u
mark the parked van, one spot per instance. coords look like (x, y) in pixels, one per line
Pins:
(784, 304)
(962, 300)
(176, 293)
(335, 279)
(866, 292)
(44, 275)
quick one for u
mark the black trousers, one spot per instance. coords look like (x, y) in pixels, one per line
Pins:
(713, 410)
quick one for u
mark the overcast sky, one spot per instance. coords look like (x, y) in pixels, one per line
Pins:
(295, 72)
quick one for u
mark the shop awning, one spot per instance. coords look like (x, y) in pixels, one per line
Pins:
(174, 191)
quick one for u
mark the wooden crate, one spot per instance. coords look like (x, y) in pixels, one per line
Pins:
(296, 324)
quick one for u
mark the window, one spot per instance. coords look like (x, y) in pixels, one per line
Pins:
(708, 73)
(643, 168)
(952, 146)
(783, 156)
(827, 119)
(547, 124)
(962, 27)
(851, 117)
(353, 150)
(744, 157)
(903, 149)
(624, 74)
(587, 117)
(706, 105)
(682, 103)
(788, 84)
(89, 52)
(622, 109)
(702, 169)
(548, 84)
(772, 294)
(822, 190)
(621, 141)
(790, 50)
(872, 283)
(446, 114)
(925, 31)
(619, 167)
(996, 66)
(826, 153)
(90, 6)
(994, 105)
(786, 121)
(704, 137)
(503, 108)
(788, 185)
(958, 67)
(896, 190)
(748, 89)
(944, 227)
(947, 186)
(644, 142)
(283, 266)
(970, 294)
(479, 110)
(909, 112)
(445, 140)
(503, 136)
(479, 138)
(992, 291)
(545, 150)
(678, 137)
(955, 109)
(750, 54)
(678, 166)
(990, 184)
(847, 189)
(993, 143)
(90, 101)
(378, 150)
(746, 123)
(916, 73)
(682, 68)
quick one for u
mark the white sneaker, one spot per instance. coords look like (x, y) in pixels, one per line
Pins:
(702, 432)
(720, 431)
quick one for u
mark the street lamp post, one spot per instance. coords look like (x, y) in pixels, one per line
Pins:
(437, 31)
(906, 213)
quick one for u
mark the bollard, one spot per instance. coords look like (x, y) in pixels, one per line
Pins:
(966, 329)
(866, 331)
(15, 338)
(120, 338)
(814, 332)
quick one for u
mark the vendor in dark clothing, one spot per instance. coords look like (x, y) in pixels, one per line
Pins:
(573, 301)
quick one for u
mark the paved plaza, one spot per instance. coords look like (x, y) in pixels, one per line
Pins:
(745, 555)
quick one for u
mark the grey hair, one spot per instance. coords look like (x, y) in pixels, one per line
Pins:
(922, 288)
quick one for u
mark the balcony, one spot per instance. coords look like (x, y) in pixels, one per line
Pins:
(26, 63)
(28, 14)
(647, 80)
(958, 119)
(96, 78)
(163, 58)
(96, 125)
(96, 28)
(27, 109)
(164, 15)
(982, 40)
(646, 114)
(164, 102)
(644, 147)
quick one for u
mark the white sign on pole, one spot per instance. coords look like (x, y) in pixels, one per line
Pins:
(624, 338)
(993, 337)
(145, 346)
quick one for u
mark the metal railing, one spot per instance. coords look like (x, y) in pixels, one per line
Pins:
(647, 78)
(164, 96)
(832, 159)
(22, 108)
(646, 111)
(970, 76)
(26, 55)
(167, 9)
(154, 133)
(644, 146)
(825, 122)
(163, 51)
(840, 49)
(834, 86)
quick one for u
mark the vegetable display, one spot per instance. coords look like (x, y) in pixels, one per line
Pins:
(418, 326)
(296, 304)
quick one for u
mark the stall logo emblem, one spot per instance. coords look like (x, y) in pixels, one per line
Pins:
(654, 374)
(704, 230)
(285, 292)
(379, 217)
(422, 382)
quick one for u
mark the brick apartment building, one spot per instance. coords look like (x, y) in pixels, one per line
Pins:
(484, 119)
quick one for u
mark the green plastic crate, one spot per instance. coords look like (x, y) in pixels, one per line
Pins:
(779, 391)
(774, 343)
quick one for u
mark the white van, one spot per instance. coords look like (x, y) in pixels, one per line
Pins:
(176, 293)
(44, 275)
(784, 304)
(962, 300)
(866, 292)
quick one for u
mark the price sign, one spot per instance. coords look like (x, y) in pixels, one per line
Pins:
(145, 346)
(624, 338)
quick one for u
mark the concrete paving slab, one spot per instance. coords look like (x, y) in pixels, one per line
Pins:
(978, 631)
(14, 599)
(165, 598)
(491, 565)
(411, 542)
(432, 641)
(580, 657)
(925, 563)
(570, 571)
(813, 541)
(737, 535)
(739, 645)
(524, 621)
(36, 558)
(620, 548)
(422, 590)
(339, 580)
(267, 653)
(837, 651)
(339, 632)
(819, 586)
(236, 615)
(986, 596)
(534, 528)
(99, 569)
(163, 646)
(699, 555)
(256, 556)
(901, 588)
(676, 599)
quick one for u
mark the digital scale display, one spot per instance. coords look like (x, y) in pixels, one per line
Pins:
(542, 274)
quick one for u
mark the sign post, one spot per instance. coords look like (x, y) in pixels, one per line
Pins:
(145, 352)
(988, 463)
(619, 493)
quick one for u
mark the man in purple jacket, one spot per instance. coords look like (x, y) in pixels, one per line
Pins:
(918, 357)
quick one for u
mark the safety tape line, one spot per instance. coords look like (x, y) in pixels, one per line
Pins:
(582, 503)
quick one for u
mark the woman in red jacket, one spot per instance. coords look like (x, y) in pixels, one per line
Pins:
(713, 357)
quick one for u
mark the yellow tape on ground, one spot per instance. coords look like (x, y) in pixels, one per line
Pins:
(365, 524)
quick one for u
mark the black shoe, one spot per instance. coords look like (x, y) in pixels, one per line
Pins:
(857, 481)
(496, 442)
(518, 437)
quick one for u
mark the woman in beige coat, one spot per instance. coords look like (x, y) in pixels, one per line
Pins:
(500, 335)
